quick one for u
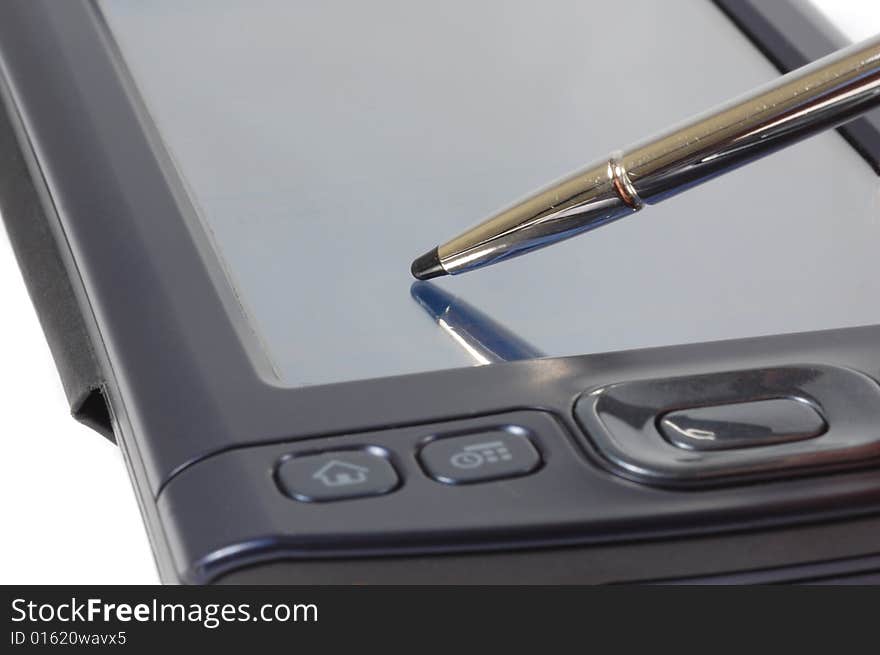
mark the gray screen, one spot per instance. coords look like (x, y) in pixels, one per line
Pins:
(326, 144)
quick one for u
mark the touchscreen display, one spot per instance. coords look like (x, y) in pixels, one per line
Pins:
(324, 145)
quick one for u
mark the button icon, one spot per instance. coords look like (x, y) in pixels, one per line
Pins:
(340, 474)
(337, 475)
(480, 454)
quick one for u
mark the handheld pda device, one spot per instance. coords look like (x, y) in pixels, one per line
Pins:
(215, 206)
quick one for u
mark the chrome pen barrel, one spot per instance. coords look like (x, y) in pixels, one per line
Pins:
(804, 102)
(811, 99)
(580, 202)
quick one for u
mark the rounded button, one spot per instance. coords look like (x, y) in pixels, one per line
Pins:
(481, 456)
(337, 475)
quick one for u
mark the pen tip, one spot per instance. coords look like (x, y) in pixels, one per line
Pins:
(428, 266)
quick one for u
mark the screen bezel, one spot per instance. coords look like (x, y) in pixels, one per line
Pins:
(164, 308)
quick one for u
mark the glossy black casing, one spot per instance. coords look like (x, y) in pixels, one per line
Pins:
(202, 425)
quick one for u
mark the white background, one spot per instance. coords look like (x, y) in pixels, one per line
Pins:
(67, 507)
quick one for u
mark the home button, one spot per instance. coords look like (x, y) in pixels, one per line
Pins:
(337, 475)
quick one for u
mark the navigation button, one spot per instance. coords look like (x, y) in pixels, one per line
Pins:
(481, 456)
(337, 475)
(742, 425)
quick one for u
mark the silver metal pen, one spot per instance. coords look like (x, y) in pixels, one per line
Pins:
(804, 102)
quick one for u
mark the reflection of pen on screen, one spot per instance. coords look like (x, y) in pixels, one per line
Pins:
(481, 337)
